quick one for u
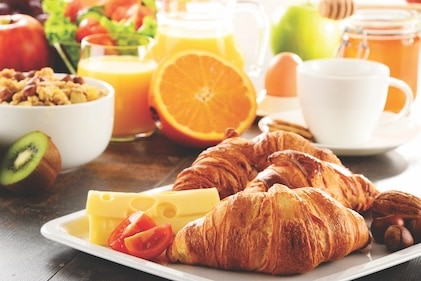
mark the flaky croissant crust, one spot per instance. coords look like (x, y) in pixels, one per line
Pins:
(231, 164)
(280, 232)
(297, 169)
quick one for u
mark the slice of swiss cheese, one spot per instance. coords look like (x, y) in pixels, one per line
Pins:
(107, 209)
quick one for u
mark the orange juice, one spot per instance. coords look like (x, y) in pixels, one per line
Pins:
(390, 37)
(130, 78)
(172, 41)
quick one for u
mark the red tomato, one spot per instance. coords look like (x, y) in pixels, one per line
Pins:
(89, 26)
(142, 11)
(150, 243)
(120, 13)
(72, 9)
(136, 222)
(130, 10)
(115, 9)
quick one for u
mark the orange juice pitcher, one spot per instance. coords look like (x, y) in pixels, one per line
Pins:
(389, 36)
(208, 25)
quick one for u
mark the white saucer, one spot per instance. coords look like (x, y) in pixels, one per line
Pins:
(387, 135)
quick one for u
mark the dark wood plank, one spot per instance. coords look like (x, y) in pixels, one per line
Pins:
(81, 268)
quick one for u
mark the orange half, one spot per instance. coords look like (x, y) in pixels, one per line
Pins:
(196, 96)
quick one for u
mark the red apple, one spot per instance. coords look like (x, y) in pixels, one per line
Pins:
(23, 45)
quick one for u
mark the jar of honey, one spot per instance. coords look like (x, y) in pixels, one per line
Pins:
(389, 36)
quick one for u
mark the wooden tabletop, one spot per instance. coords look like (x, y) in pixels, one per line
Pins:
(136, 166)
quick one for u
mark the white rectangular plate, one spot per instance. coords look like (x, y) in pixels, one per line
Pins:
(72, 230)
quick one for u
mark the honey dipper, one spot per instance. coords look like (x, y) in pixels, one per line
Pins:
(340, 9)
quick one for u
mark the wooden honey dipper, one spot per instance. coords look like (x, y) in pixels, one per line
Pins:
(340, 9)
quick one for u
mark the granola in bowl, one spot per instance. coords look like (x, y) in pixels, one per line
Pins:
(45, 88)
(80, 130)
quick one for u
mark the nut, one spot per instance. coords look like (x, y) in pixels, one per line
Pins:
(380, 224)
(396, 202)
(29, 90)
(6, 94)
(397, 237)
(414, 226)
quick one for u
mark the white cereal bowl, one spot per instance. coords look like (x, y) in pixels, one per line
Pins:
(80, 131)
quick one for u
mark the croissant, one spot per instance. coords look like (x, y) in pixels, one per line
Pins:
(282, 231)
(297, 169)
(225, 166)
(231, 164)
(267, 143)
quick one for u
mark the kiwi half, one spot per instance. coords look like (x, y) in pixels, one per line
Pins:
(31, 164)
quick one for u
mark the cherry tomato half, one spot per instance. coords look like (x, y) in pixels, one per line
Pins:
(72, 9)
(150, 243)
(136, 222)
(129, 10)
(117, 9)
(142, 11)
(89, 26)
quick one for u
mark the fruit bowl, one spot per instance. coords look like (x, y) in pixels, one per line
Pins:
(80, 131)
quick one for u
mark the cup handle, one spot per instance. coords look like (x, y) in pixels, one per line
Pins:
(409, 96)
(256, 9)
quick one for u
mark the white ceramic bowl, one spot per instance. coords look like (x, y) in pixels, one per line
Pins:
(80, 131)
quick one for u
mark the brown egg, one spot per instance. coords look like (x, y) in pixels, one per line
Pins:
(280, 76)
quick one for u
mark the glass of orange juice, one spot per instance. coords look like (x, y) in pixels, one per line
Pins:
(208, 25)
(389, 36)
(125, 62)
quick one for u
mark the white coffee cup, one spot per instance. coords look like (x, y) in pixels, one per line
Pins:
(342, 99)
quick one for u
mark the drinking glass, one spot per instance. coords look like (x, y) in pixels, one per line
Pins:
(126, 63)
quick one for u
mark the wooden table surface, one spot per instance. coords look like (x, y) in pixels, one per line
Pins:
(26, 255)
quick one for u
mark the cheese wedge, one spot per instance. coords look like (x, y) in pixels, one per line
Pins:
(107, 209)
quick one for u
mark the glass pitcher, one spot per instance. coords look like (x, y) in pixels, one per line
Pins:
(208, 25)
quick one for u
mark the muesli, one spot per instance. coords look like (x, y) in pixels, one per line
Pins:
(44, 88)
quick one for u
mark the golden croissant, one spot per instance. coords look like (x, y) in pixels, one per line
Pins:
(297, 169)
(231, 164)
(282, 231)
(267, 143)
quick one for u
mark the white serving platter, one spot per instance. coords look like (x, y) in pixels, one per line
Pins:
(72, 230)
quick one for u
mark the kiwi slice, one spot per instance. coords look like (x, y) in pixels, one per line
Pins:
(31, 164)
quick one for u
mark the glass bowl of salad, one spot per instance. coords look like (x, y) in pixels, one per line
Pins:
(69, 21)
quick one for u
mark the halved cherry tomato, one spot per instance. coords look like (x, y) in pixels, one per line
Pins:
(89, 26)
(72, 9)
(129, 10)
(142, 11)
(150, 243)
(116, 9)
(135, 223)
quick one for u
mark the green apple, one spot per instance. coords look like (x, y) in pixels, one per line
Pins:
(300, 29)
